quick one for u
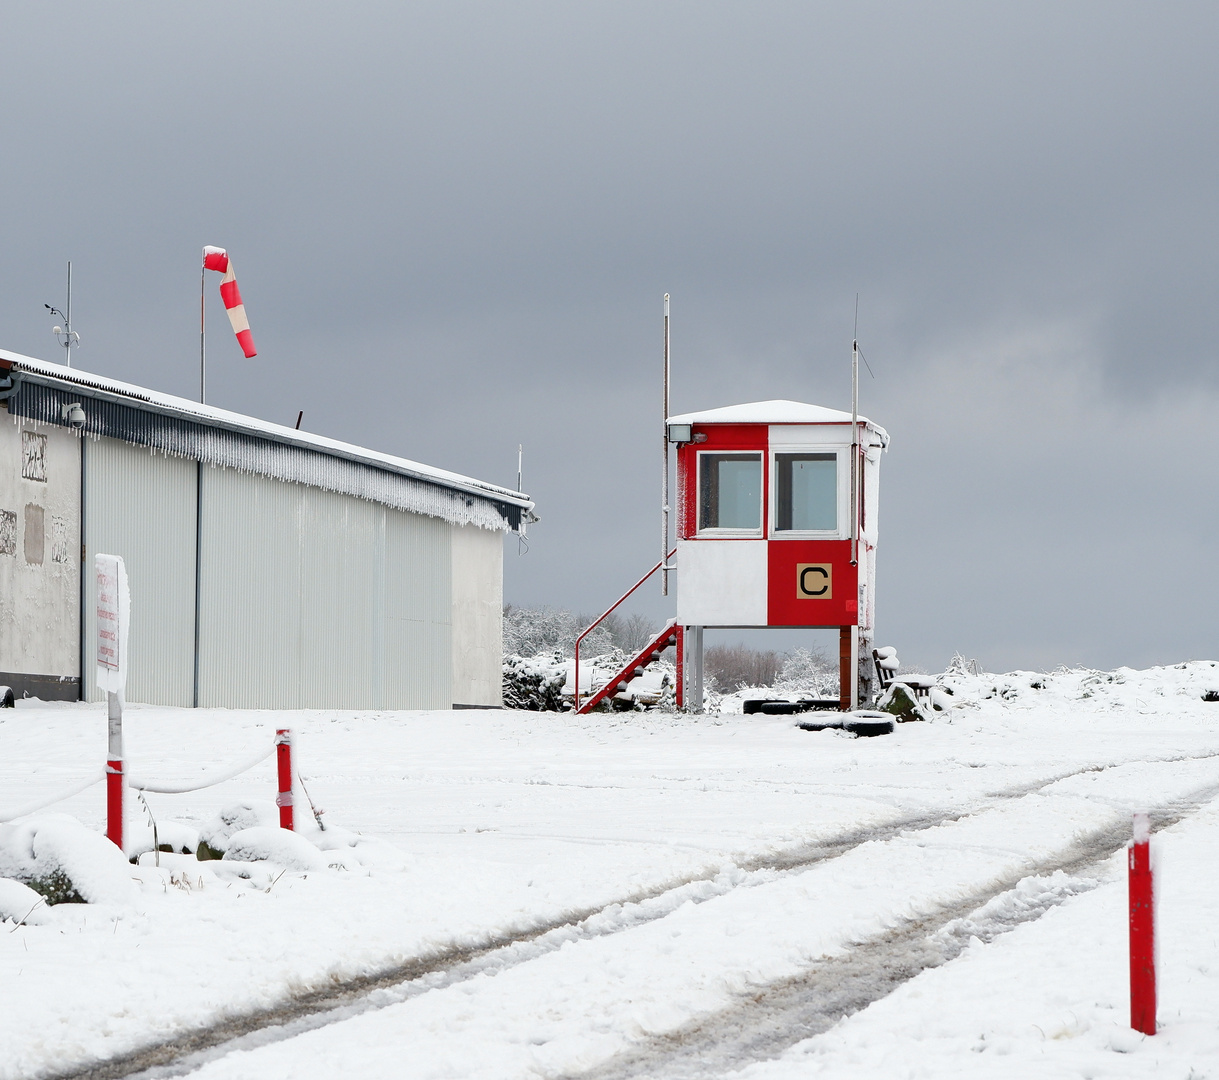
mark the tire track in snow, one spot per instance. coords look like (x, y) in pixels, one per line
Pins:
(778, 1017)
(345, 998)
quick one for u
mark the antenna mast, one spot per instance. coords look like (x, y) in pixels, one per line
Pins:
(855, 439)
(202, 331)
(65, 335)
(664, 489)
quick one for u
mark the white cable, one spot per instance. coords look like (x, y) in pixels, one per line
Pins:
(33, 808)
(211, 781)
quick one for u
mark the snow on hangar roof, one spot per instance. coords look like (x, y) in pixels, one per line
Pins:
(777, 411)
(226, 439)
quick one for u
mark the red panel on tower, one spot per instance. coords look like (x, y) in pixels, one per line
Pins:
(811, 583)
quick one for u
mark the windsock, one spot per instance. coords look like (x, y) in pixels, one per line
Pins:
(215, 258)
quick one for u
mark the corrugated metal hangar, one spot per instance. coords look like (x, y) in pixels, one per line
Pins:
(269, 568)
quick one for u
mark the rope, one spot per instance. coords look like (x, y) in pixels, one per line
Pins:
(33, 808)
(211, 781)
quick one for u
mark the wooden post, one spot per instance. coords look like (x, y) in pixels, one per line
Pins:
(681, 668)
(844, 668)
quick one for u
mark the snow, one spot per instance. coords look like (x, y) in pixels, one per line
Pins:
(20, 903)
(278, 846)
(778, 411)
(666, 876)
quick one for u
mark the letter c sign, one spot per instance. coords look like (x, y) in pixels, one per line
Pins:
(814, 581)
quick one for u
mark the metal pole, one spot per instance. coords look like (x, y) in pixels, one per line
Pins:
(202, 338)
(84, 539)
(854, 453)
(664, 491)
(68, 318)
(853, 696)
(198, 576)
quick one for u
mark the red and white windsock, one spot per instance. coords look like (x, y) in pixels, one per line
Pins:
(215, 258)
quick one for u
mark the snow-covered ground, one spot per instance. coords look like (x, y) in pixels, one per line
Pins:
(675, 895)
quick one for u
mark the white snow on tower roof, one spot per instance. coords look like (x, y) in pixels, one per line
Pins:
(778, 411)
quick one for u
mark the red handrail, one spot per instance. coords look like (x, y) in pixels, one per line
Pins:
(592, 626)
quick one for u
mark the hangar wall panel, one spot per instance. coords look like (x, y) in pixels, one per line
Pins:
(478, 604)
(39, 558)
(310, 599)
(418, 618)
(141, 505)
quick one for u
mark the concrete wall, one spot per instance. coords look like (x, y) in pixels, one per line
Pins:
(39, 558)
(478, 606)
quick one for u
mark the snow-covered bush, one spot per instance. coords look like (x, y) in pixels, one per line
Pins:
(57, 857)
(541, 631)
(21, 903)
(729, 667)
(214, 836)
(535, 683)
(807, 671)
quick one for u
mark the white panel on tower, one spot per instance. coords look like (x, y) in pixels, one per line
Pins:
(721, 582)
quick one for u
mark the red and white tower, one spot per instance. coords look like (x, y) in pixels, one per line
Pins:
(777, 526)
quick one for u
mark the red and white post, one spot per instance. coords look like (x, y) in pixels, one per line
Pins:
(113, 606)
(1142, 929)
(283, 756)
(114, 770)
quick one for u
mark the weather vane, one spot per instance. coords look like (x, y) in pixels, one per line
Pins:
(65, 335)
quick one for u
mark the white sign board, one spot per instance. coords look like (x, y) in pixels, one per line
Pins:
(113, 607)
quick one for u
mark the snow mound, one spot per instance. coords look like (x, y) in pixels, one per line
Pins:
(238, 818)
(47, 849)
(21, 903)
(350, 849)
(278, 846)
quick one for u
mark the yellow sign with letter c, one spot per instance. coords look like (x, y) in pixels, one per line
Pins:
(814, 581)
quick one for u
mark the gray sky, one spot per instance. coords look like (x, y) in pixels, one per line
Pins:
(453, 223)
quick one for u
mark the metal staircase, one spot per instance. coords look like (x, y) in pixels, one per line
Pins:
(670, 635)
(634, 667)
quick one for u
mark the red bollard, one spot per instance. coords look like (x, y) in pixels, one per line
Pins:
(1142, 930)
(114, 802)
(283, 754)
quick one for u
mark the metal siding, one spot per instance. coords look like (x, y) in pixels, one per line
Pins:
(141, 505)
(342, 564)
(361, 591)
(418, 629)
(250, 593)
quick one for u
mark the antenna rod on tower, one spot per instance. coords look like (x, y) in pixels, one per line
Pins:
(855, 440)
(664, 490)
(202, 331)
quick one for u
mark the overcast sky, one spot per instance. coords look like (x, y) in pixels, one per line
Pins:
(453, 224)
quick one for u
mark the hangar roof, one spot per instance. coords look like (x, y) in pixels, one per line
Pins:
(218, 437)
